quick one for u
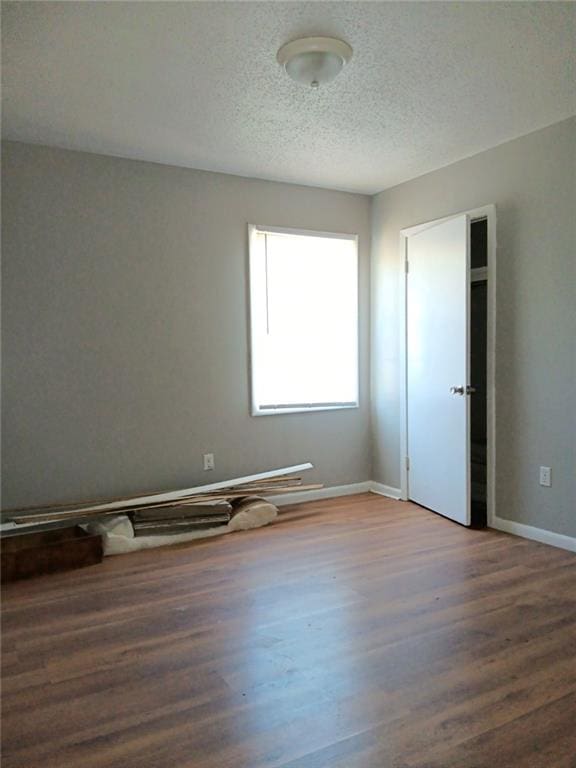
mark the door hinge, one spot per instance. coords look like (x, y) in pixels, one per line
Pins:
(408, 463)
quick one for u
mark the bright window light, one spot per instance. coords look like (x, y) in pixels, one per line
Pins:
(304, 320)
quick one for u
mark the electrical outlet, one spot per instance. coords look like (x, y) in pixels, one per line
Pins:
(546, 476)
(208, 461)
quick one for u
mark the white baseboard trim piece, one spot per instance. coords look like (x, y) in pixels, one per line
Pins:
(385, 490)
(322, 493)
(535, 534)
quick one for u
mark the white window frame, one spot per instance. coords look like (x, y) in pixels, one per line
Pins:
(256, 410)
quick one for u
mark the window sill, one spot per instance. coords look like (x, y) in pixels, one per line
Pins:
(303, 409)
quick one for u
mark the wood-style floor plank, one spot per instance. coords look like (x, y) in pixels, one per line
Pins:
(353, 633)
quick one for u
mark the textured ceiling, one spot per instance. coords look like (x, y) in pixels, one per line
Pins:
(197, 84)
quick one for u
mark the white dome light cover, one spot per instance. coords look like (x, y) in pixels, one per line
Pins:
(314, 60)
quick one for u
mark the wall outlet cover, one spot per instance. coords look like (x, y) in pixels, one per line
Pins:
(546, 476)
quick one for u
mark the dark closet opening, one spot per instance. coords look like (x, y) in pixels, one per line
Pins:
(478, 372)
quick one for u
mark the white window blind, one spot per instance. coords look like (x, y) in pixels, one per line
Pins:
(304, 320)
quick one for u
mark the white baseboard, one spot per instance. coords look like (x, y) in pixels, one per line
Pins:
(322, 493)
(385, 490)
(336, 490)
(536, 534)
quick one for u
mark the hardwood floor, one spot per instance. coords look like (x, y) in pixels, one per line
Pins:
(353, 633)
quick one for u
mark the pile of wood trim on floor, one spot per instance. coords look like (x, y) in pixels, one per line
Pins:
(170, 521)
(173, 511)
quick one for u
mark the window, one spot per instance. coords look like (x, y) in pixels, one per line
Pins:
(304, 320)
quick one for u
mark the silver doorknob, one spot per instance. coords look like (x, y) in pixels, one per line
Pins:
(463, 390)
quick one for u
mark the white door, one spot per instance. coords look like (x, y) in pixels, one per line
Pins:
(437, 368)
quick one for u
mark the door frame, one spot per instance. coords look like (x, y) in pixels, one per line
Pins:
(487, 212)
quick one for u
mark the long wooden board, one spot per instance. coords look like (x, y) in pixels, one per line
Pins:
(140, 501)
(87, 503)
(74, 515)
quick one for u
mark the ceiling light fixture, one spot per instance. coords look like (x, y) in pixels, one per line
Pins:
(314, 60)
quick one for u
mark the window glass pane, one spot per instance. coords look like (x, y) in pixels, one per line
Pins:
(304, 320)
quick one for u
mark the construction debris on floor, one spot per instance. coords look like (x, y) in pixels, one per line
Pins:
(164, 521)
(141, 522)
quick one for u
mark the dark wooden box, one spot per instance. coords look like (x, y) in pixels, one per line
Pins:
(62, 549)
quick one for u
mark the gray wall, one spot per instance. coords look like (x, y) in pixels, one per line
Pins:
(532, 181)
(125, 324)
(125, 328)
